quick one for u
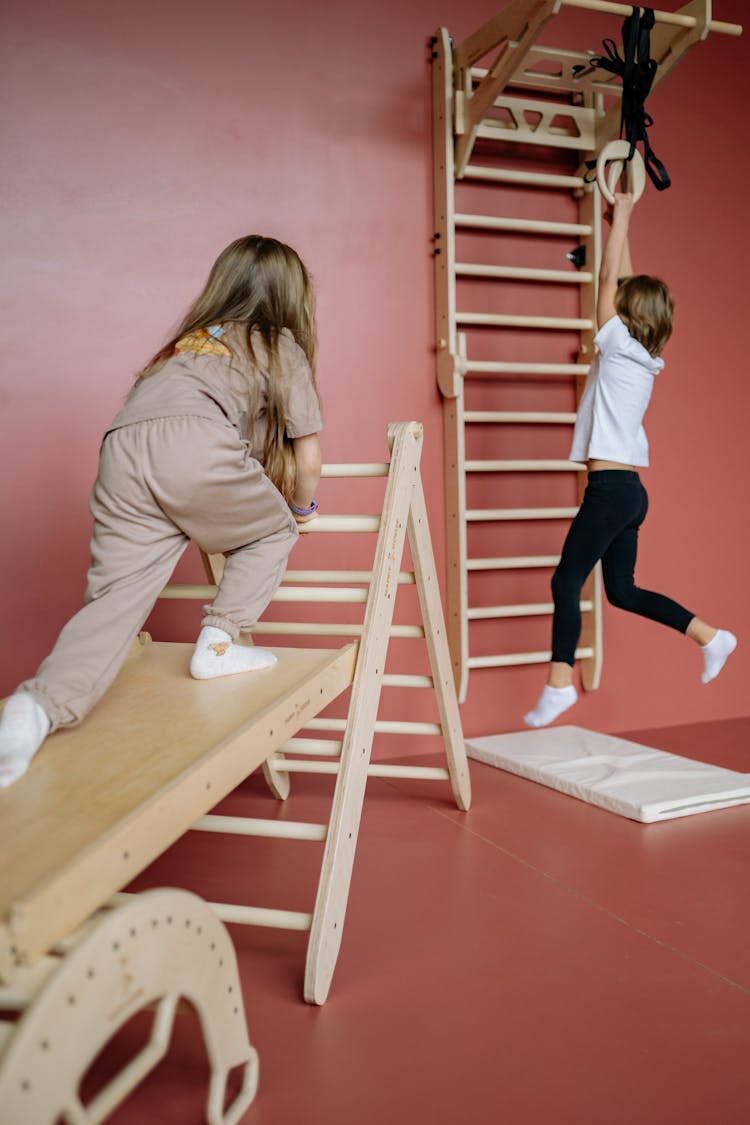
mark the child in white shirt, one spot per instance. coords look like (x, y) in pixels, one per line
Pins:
(635, 315)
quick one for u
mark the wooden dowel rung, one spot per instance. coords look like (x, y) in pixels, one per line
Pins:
(503, 320)
(512, 416)
(676, 19)
(322, 594)
(325, 747)
(250, 826)
(538, 609)
(414, 773)
(208, 593)
(283, 594)
(373, 770)
(491, 514)
(521, 273)
(405, 577)
(341, 523)
(407, 681)
(522, 466)
(189, 592)
(369, 469)
(523, 226)
(516, 659)
(502, 368)
(382, 726)
(262, 916)
(320, 629)
(517, 562)
(244, 916)
(532, 179)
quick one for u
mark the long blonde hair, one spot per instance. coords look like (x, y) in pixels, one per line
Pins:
(646, 306)
(263, 283)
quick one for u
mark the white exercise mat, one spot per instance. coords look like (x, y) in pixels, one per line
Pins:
(621, 776)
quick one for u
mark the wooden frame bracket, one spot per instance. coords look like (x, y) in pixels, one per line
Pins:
(163, 947)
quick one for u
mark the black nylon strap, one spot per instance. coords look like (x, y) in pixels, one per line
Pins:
(637, 70)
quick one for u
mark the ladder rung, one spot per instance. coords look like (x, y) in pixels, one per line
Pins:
(503, 320)
(320, 629)
(502, 416)
(523, 466)
(348, 594)
(526, 75)
(341, 523)
(539, 609)
(243, 915)
(511, 562)
(250, 826)
(675, 19)
(489, 514)
(498, 368)
(513, 659)
(533, 179)
(262, 916)
(325, 747)
(382, 726)
(368, 469)
(432, 773)
(330, 594)
(359, 577)
(407, 680)
(520, 273)
(290, 593)
(525, 226)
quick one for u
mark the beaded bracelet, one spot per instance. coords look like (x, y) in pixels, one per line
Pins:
(305, 511)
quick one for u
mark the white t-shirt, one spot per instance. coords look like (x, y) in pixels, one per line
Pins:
(609, 425)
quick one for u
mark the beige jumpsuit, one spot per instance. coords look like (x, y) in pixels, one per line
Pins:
(178, 464)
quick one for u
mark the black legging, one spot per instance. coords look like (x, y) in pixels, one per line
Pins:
(606, 527)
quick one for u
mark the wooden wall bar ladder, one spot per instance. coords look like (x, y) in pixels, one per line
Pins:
(510, 140)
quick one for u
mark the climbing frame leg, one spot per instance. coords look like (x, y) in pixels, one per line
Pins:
(163, 946)
(437, 645)
(341, 842)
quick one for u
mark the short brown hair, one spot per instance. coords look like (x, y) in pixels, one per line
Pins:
(646, 306)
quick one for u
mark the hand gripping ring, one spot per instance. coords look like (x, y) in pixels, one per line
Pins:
(614, 154)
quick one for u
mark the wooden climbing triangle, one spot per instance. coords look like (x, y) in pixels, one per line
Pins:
(78, 957)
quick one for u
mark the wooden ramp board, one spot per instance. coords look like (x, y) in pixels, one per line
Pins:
(156, 753)
(623, 777)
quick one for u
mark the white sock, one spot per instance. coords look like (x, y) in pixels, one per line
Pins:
(715, 654)
(552, 702)
(216, 655)
(24, 725)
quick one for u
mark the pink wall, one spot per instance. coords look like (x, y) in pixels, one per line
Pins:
(140, 139)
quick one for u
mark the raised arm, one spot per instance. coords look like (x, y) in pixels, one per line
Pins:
(616, 258)
(308, 458)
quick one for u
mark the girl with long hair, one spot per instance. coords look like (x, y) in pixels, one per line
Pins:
(218, 443)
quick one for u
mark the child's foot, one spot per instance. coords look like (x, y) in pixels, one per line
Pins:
(216, 655)
(552, 702)
(715, 654)
(24, 725)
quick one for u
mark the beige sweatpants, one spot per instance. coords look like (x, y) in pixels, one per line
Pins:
(160, 484)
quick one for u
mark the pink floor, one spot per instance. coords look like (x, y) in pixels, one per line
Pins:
(533, 961)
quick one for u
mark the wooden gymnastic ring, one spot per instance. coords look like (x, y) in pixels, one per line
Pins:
(614, 154)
